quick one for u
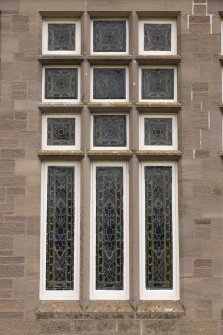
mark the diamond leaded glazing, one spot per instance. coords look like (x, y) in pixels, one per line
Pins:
(157, 37)
(60, 228)
(109, 83)
(109, 131)
(158, 227)
(61, 36)
(109, 36)
(60, 131)
(61, 83)
(158, 84)
(109, 228)
(158, 131)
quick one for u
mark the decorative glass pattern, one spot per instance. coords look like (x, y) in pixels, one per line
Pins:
(109, 131)
(109, 228)
(157, 37)
(158, 84)
(109, 36)
(158, 227)
(60, 131)
(61, 36)
(60, 228)
(61, 83)
(158, 131)
(109, 83)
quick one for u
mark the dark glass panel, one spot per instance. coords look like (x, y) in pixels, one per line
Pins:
(109, 36)
(157, 37)
(61, 36)
(60, 228)
(60, 131)
(109, 131)
(109, 83)
(61, 83)
(158, 131)
(158, 84)
(158, 227)
(109, 228)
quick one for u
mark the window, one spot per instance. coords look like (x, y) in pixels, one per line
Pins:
(109, 231)
(157, 37)
(61, 36)
(158, 232)
(60, 231)
(60, 132)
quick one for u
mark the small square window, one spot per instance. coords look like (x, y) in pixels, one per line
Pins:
(61, 84)
(109, 84)
(158, 132)
(158, 84)
(61, 37)
(109, 36)
(157, 37)
(61, 132)
(109, 132)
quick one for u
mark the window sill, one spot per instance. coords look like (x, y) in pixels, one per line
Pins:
(60, 59)
(109, 107)
(110, 154)
(110, 310)
(165, 155)
(60, 107)
(158, 60)
(158, 107)
(109, 59)
(64, 155)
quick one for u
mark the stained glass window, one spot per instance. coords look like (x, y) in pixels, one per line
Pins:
(158, 227)
(60, 228)
(157, 37)
(61, 36)
(109, 83)
(158, 131)
(109, 36)
(109, 228)
(61, 83)
(60, 131)
(109, 131)
(157, 84)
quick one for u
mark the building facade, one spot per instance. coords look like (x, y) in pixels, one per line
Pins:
(111, 167)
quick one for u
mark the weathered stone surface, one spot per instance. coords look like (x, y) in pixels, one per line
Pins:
(189, 327)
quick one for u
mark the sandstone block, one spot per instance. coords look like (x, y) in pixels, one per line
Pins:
(11, 271)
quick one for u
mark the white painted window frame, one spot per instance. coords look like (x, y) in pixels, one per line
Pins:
(56, 294)
(158, 67)
(45, 50)
(173, 50)
(45, 118)
(165, 294)
(109, 294)
(110, 53)
(110, 148)
(174, 145)
(67, 101)
(222, 36)
(110, 67)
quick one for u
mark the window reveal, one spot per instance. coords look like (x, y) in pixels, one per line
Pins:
(60, 131)
(109, 228)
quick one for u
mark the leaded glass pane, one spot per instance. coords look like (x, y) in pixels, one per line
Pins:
(109, 36)
(157, 37)
(109, 83)
(158, 84)
(158, 131)
(61, 83)
(109, 228)
(158, 227)
(60, 131)
(60, 228)
(61, 36)
(109, 131)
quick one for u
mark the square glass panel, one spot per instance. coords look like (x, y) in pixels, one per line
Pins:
(109, 131)
(158, 228)
(157, 37)
(158, 131)
(109, 83)
(61, 83)
(157, 84)
(61, 36)
(60, 131)
(109, 36)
